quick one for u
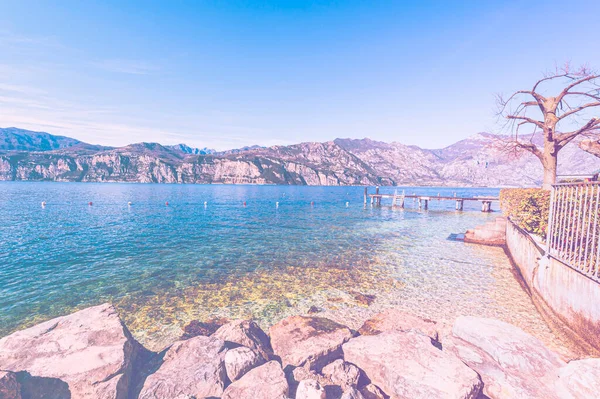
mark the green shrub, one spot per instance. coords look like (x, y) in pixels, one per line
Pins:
(527, 207)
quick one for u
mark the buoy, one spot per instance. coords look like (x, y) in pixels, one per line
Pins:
(205, 203)
(90, 203)
(167, 203)
(347, 204)
(244, 203)
(312, 203)
(129, 203)
(43, 204)
(277, 205)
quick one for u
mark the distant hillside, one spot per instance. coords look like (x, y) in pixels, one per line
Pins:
(13, 139)
(479, 160)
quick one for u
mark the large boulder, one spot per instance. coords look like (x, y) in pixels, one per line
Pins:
(580, 379)
(407, 365)
(89, 354)
(246, 333)
(398, 320)
(314, 341)
(194, 368)
(9, 387)
(342, 373)
(266, 381)
(239, 361)
(511, 363)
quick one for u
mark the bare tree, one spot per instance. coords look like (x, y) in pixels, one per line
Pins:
(558, 118)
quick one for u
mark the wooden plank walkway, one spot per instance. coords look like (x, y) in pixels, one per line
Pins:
(399, 200)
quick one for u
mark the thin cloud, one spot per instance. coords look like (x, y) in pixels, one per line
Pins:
(131, 67)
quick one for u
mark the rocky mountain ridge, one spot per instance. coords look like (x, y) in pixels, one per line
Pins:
(479, 160)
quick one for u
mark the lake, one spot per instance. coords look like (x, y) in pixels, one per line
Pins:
(163, 266)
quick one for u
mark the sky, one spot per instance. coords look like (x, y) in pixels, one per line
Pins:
(225, 74)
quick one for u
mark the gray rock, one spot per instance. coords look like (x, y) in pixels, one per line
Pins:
(194, 367)
(579, 379)
(310, 389)
(407, 365)
(315, 341)
(342, 373)
(246, 333)
(372, 392)
(511, 363)
(9, 387)
(266, 381)
(352, 393)
(89, 354)
(239, 361)
(398, 320)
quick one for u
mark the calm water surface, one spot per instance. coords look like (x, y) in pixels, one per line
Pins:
(163, 266)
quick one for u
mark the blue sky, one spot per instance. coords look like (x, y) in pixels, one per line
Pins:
(225, 74)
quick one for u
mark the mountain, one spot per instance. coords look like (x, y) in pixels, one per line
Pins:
(480, 160)
(189, 150)
(13, 139)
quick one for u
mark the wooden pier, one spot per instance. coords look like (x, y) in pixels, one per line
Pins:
(398, 200)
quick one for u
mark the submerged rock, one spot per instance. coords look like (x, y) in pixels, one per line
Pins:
(266, 381)
(87, 354)
(398, 320)
(246, 333)
(407, 365)
(511, 363)
(194, 367)
(315, 341)
(197, 328)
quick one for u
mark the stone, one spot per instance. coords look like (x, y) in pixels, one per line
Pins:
(315, 341)
(398, 320)
(204, 328)
(363, 299)
(194, 367)
(407, 365)
(352, 393)
(511, 363)
(342, 373)
(9, 386)
(371, 391)
(310, 389)
(266, 381)
(87, 354)
(246, 333)
(239, 361)
(579, 379)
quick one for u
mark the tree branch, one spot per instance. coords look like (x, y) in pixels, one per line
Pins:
(565, 138)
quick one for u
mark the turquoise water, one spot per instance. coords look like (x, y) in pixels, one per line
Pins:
(165, 265)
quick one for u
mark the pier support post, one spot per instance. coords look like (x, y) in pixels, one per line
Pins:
(459, 205)
(365, 200)
(486, 206)
(424, 203)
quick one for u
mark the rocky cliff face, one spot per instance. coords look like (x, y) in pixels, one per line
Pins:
(479, 160)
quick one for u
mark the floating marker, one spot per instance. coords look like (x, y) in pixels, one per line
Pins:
(277, 205)
(43, 204)
(312, 203)
(129, 203)
(167, 203)
(205, 203)
(244, 203)
(347, 204)
(90, 203)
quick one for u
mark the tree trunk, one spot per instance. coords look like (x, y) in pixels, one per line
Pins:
(550, 166)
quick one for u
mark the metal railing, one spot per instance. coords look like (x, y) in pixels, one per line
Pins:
(574, 227)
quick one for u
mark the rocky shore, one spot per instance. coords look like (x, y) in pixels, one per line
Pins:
(92, 354)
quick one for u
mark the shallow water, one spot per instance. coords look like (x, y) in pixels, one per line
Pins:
(166, 265)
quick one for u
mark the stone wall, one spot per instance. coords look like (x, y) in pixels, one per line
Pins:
(567, 294)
